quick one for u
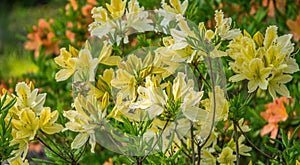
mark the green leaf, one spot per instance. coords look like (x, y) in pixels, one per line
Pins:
(285, 140)
(293, 134)
(272, 149)
(42, 161)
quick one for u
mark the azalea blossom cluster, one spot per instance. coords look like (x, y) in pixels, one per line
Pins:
(149, 84)
(43, 35)
(29, 116)
(265, 61)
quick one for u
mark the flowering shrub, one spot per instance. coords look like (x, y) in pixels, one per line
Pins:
(151, 87)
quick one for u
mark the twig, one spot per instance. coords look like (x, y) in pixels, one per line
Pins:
(249, 141)
(185, 153)
(192, 141)
(236, 139)
(199, 153)
(201, 76)
(165, 126)
(214, 104)
(46, 145)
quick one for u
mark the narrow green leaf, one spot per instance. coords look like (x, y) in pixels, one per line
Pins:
(42, 161)
(293, 134)
(272, 149)
(285, 140)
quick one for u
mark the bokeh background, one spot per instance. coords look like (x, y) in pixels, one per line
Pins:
(16, 17)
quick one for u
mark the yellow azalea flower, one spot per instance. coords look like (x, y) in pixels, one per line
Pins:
(226, 157)
(116, 8)
(277, 84)
(169, 13)
(256, 73)
(80, 124)
(19, 161)
(221, 105)
(22, 147)
(154, 100)
(270, 57)
(176, 7)
(85, 66)
(242, 124)
(84, 120)
(47, 121)
(125, 82)
(183, 25)
(151, 98)
(122, 108)
(105, 55)
(103, 84)
(100, 14)
(207, 158)
(243, 149)
(67, 61)
(29, 99)
(27, 125)
(223, 27)
(137, 18)
(274, 57)
(132, 72)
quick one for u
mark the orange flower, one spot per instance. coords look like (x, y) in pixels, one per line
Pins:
(109, 162)
(86, 10)
(295, 28)
(70, 35)
(74, 4)
(42, 35)
(69, 24)
(275, 113)
(280, 5)
(92, 2)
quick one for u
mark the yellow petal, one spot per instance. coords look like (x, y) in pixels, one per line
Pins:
(79, 140)
(112, 61)
(74, 52)
(45, 116)
(219, 17)
(105, 101)
(52, 128)
(64, 74)
(258, 38)
(237, 78)
(252, 86)
(271, 35)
